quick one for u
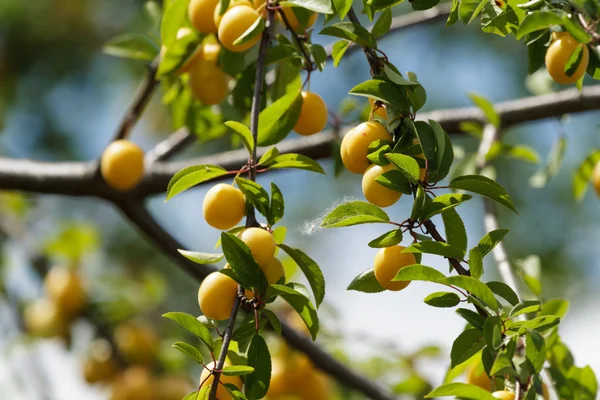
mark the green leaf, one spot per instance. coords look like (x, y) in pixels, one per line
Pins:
(584, 381)
(384, 91)
(277, 120)
(297, 161)
(466, 345)
(473, 318)
(492, 333)
(502, 365)
(300, 303)
(319, 6)
(172, 19)
(461, 390)
(243, 265)
(131, 45)
(383, 23)
(192, 325)
(406, 164)
(255, 194)
(421, 5)
(310, 269)
(273, 320)
(444, 202)
(342, 7)
(487, 108)
(192, 176)
(366, 282)
(354, 213)
(238, 370)
(442, 299)
(456, 233)
(485, 187)
(552, 167)
(540, 324)
(277, 208)
(252, 32)
(476, 288)
(259, 358)
(391, 73)
(421, 199)
(557, 307)
(352, 32)
(243, 133)
(395, 180)
(279, 234)
(525, 307)
(388, 239)
(491, 240)
(418, 272)
(201, 258)
(319, 55)
(475, 263)
(339, 49)
(535, 350)
(438, 248)
(583, 174)
(269, 156)
(504, 291)
(189, 351)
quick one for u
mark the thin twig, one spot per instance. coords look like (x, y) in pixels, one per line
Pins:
(166, 149)
(371, 55)
(305, 53)
(226, 341)
(140, 100)
(251, 216)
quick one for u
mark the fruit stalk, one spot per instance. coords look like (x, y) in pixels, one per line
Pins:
(251, 217)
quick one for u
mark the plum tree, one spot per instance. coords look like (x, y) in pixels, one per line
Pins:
(563, 47)
(261, 244)
(122, 165)
(234, 24)
(388, 261)
(216, 295)
(376, 193)
(355, 145)
(313, 114)
(223, 206)
(295, 22)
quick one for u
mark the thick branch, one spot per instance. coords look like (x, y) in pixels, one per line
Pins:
(77, 179)
(140, 100)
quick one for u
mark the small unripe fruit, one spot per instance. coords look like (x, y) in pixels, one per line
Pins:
(476, 376)
(504, 395)
(208, 378)
(223, 206)
(208, 83)
(261, 244)
(596, 178)
(137, 343)
(43, 318)
(216, 296)
(374, 192)
(64, 286)
(122, 165)
(200, 13)
(134, 383)
(355, 145)
(558, 54)
(388, 261)
(293, 20)
(313, 114)
(234, 24)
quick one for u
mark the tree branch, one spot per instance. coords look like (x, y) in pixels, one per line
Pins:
(166, 149)
(140, 100)
(371, 55)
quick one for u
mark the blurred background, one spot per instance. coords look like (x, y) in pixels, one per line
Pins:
(61, 99)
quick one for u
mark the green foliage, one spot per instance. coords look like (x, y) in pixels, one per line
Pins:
(354, 213)
(366, 282)
(192, 176)
(310, 269)
(192, 325)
